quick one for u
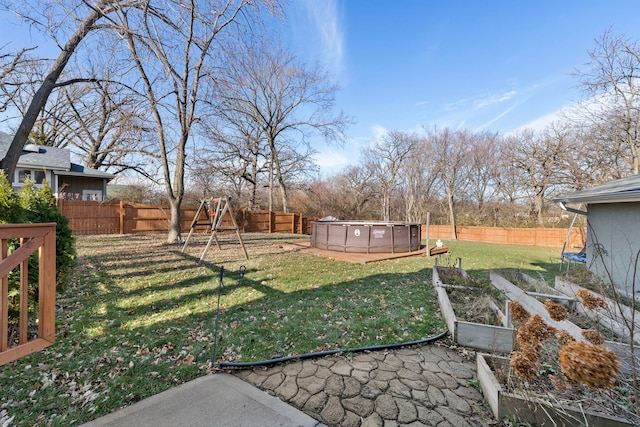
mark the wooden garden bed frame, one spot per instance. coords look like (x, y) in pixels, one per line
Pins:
(526, 408)
(475, 335)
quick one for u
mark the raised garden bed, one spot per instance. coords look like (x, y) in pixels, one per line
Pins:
(460, 300)
(549, 397)
(529, 407)
(534, 306)
(610, 320)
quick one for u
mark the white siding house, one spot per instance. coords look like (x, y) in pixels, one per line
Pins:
(613, 230)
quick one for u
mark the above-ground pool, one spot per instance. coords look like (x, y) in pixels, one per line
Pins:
(366, 236)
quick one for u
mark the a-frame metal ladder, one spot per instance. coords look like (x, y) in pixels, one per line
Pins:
(215, 211)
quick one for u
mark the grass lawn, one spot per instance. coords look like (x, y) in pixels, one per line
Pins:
(139, 316)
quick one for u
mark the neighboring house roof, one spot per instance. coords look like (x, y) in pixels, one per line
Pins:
(79, 170)
(618, 191)
(58, 160)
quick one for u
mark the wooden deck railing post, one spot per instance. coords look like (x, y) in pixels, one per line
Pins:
(47, 288)
(4, 303)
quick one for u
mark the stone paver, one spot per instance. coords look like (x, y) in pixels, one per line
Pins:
(422, 386)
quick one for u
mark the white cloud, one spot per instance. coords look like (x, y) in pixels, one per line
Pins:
(330, 159)
(481, 102)
(542, 122)
(379, 131)
(326, 18)
(495, 99)
(499, 116)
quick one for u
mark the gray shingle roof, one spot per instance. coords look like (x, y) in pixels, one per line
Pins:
(79, 170)
(620, 190)
(55, 159)
(52, 158)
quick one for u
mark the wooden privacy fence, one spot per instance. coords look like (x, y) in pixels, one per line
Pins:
(40, 238)
(273, 222)
(545, 237)
(89, 217)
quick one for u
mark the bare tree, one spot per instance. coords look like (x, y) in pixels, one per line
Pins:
(483, 176)
(102, 122)
(172, 46)
(385, 158)
(451, 150)
(348, 195)
(541, 159)
(11, 63)
(45, 130)
(105, 125)
(93, 13)
(288, 101)
(418, 183)
(612, 84)
(234, 148)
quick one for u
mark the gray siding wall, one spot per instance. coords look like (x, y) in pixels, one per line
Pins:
(613, 243)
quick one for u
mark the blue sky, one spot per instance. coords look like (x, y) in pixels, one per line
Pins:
(403, 64)
(481, 65)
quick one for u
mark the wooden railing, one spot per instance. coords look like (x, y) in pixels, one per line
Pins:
(33, 237)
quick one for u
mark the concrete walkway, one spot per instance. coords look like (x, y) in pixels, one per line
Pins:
(214, 400)
(422, 386)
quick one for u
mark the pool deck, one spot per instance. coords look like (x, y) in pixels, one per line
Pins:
(360, 258)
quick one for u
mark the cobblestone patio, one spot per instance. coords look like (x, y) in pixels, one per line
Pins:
(430, 385)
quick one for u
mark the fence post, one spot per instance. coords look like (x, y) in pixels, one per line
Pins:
(428, 252)
(121, 217)
(272, 219)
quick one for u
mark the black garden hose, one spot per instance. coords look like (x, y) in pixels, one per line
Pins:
(241, 365)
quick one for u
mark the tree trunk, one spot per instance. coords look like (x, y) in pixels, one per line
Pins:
(539, 203)
(271, 185)
(283, 193)
(276, 162)
(174, 221)
(253, 182)
(452, 217)
(387, 207)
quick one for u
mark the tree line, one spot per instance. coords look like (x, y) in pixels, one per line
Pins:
(202, 99)
(139, 85)
(465, 177)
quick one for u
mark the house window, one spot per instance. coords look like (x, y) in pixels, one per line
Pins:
(37, 176)
(92, 195)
